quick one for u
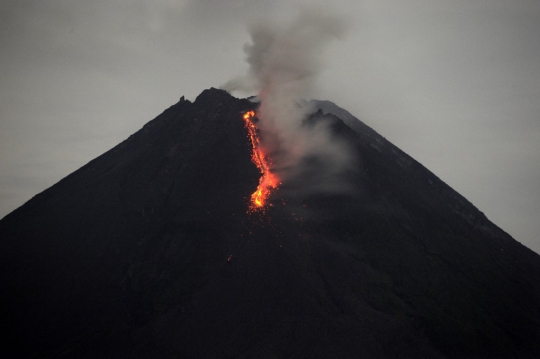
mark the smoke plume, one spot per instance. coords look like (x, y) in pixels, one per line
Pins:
(284, 62)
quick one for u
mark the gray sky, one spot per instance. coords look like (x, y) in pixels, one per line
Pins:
(454, 83)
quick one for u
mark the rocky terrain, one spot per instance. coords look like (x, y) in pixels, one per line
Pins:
(149, 251)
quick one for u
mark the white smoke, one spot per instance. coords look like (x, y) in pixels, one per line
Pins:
(284, 61)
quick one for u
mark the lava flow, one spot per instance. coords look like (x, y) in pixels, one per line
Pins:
(268, 180)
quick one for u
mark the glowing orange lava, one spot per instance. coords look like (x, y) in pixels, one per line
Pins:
(268, 180)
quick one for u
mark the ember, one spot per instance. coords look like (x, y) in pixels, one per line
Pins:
(268, 180)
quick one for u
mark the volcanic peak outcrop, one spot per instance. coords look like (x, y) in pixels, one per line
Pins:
(149, 251)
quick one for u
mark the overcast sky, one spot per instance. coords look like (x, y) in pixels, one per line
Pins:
(455, 84)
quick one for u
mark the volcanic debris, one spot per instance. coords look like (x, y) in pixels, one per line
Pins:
(149, 250)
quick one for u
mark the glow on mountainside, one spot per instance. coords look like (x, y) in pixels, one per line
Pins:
(268, 180)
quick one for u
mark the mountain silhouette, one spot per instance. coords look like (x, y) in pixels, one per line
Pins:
(149, 250)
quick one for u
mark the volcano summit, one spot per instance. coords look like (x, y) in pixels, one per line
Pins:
(150, 250)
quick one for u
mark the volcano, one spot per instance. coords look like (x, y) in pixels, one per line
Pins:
(150, 250)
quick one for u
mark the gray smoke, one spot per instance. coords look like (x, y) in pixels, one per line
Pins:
(284, 61)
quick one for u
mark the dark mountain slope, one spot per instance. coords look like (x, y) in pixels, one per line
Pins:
(467, 283)
(147, 251)
(66, 252)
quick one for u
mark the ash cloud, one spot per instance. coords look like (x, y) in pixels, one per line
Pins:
(284, 62)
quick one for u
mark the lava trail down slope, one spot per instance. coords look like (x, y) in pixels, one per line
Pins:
(150, 250)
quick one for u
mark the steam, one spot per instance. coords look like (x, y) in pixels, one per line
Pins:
(284, 63)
